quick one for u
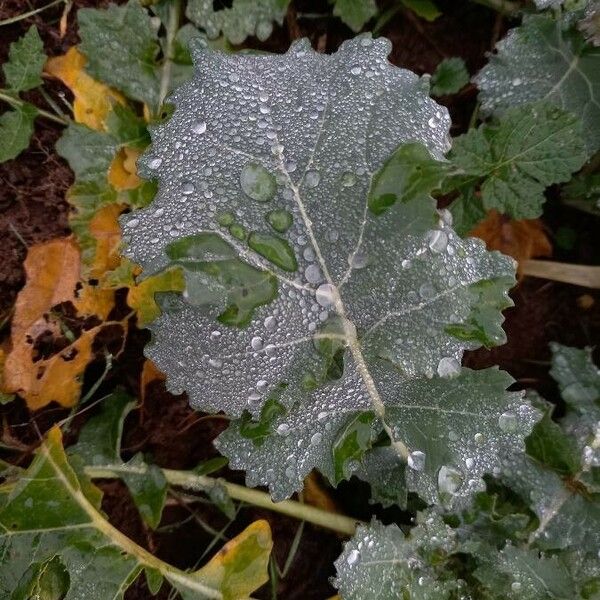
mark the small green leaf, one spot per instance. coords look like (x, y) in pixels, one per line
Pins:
(426, 9)
(449, 77)
(355, 13)
(26, 59)
(154, 580)
(549, 445)
(88, 152)
(126, 127)
(211, 465)
(148, 488)
(516, 158)
(16, 129)
(121, 46)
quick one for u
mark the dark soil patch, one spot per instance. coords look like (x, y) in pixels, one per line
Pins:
(33, 209)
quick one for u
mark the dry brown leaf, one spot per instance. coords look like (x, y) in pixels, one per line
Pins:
(316, 494)
(150, 373)
(93, 100)
(122, 174)
(522, 240)
(52, 277)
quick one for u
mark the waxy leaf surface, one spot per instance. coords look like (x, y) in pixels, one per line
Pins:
(313, 294)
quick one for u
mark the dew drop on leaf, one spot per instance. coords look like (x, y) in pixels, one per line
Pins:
(416, 460)
(257, 182)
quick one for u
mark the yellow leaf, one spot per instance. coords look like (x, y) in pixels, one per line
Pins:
(52, 277)
(104, 226)
(240, 567)
(122, 174)
(141, 297)
(316, 494)
(93, 100)
(150, 373)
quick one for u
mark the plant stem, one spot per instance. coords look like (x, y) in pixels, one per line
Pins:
(505, 7)
(42, 113)
(583, 275)
(172, 27)
(30, 13)
(189, 480)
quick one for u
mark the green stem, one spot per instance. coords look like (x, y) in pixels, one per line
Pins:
(191, 481)
(42, 113)
(172, 27)
(30, 13)
(505, 7)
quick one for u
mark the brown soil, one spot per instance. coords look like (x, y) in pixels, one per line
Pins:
(33, 209)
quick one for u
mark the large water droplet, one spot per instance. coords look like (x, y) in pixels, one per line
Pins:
(257, 182)
(313, 274)
(270, 323)
(449, 480)
(274, 249)
(353, 557)
(199, 127)
(325, 295)
(358, 260)
(416, 460)
(448, 367)
(187, 188)
(280, 220)
(312, 178)
(437, 240)
(508, 422)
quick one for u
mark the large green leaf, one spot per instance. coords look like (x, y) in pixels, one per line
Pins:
(540, 60)
(242, 18)
(50, 518)
(341, 308)
(26, 59)
(16, 128)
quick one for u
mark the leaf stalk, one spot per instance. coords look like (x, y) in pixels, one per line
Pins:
(17, 103)
(191, 481)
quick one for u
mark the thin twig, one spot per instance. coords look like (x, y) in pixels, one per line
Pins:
(42, 113)
(583, 275)
(26, 15)
(506, 7)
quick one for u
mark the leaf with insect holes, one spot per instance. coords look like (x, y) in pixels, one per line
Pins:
(26, 59)
(321, 283)
(241, 19)
(51, 526)
(540, 61)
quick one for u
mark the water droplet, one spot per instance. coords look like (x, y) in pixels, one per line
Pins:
(315, 440)
(154, 163)
(356, 70)
(353, 557)
(187, 188)
(325, 295)
(283, 429)
(508, 422)
(270, 323)
(416, 460)
(358, 260)
(215, 363)
(257, 182)
(437, 240)
(199, 127)
(256, 343)
(348, 179)
(280, 220)
(225, 219)
(470, 463)
(479, 439)
(516, 586)
(313, 274)
(448, 367)
(449, 480)
(312, 178)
